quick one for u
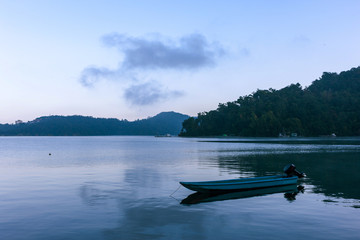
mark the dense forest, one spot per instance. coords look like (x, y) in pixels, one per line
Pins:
(163, 123)
(330, 105)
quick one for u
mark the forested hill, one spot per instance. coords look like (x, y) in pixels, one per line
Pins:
(329, 105)
(163, 123)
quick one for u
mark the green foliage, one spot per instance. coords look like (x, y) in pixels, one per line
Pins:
(163, 123)
(329, 105)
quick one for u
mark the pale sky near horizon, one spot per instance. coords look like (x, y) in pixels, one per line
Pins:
(134, 59)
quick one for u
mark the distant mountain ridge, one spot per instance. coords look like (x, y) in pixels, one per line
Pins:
(163, 123)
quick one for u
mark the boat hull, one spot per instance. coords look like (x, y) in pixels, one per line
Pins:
(200, 197)
(241, 183)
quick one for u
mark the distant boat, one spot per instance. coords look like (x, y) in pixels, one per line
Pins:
(289, 178)
(333, 135)
(165, 135)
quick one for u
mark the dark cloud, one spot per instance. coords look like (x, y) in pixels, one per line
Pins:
(190, 52)
(90, 75)
(149, 93)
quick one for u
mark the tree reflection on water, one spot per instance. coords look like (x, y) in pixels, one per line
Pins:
(332, 173)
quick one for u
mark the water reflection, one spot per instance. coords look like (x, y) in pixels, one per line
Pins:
(119, 187)
(290, 193)
(155, 219)
(141, 210)
(331, 169)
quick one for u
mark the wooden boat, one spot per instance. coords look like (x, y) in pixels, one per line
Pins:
(290, 191)
(289, 178)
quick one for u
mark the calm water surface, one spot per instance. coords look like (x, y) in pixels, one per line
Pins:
(120, 187)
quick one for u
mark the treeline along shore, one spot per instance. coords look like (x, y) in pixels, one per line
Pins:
(161, 124)
(329, 106)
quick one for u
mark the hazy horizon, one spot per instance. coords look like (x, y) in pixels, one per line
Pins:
(76, 115)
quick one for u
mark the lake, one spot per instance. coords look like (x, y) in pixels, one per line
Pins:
(128, 188)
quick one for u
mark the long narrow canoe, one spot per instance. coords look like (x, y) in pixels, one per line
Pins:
(241, 183)
(290, 192)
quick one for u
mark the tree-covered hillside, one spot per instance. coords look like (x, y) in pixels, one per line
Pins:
(329, 105)
(163, 123)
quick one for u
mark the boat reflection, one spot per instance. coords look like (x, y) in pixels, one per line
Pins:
(290, 192)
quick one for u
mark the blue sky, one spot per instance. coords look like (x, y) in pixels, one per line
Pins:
(134, 59)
